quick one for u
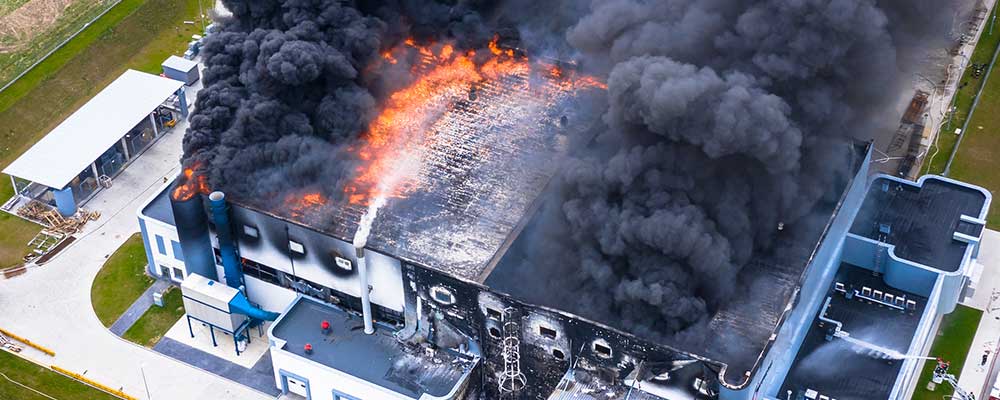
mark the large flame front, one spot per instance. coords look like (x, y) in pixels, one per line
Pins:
(395, 144)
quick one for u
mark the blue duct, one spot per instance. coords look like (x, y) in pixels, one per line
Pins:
(227, 249)
(241, 305)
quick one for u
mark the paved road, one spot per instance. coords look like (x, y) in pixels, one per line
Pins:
(51, 304)
(975, 375)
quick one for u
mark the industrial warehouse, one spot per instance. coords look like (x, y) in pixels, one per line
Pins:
(892, 256)
(509, 200)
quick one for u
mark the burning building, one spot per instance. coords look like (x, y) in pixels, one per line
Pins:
(495, 223)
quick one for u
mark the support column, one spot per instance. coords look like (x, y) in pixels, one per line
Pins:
(152, 120)
(97, 176)
(13, 184)
(125, 149)
(182, 100)
(65, 202)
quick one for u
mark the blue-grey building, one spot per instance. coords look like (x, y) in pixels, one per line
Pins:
(866, 295)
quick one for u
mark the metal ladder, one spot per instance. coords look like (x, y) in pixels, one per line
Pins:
(512, 379)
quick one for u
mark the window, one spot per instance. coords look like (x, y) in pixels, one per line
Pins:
(164, 271)
(602, 348)
(558, 354)
(442, 295)
(178, 274)
(495, 314)
(344, 263)
(160, 246)
(178, 252)
(547, 332)
(250, 231)
(494, 332)
(296, 247)
(340, 396)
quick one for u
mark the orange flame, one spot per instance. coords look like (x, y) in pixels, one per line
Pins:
(299, 204)
(190, 184)
(391, 149)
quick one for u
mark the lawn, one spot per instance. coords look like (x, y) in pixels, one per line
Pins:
(952, 344)
(121, 281)
(26, 50)
(977, 160)
(137, 34)
(152, 325)
(17, 232)
(41, 379)
(963, 100)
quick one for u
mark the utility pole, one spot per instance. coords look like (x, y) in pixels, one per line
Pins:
(144, 383)
(201, 16)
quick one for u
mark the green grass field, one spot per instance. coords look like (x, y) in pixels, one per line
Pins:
(977, 160)
(121, 281)
(137, 34)
(46, 38)
(41, 379)
(952, 344)
(152, 325)
(963, 100)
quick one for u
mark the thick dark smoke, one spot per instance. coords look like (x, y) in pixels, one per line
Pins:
(724, 119)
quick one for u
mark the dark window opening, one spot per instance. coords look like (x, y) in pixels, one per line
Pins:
(558, 354)
(602, 350)
(494, 332)
(547, 332)
(491, 313)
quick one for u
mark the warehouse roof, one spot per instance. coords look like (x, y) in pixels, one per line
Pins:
(179, 63)
(921, 219)
(79, 140)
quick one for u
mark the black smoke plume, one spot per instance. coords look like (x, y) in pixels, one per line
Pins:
(724, 119)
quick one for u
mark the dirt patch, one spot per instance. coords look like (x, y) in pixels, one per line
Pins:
(27, 21)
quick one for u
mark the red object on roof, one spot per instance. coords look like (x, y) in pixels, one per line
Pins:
(325, 324)
(308, 347)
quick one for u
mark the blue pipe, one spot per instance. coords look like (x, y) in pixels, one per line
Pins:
(227, 249)
(241, 305)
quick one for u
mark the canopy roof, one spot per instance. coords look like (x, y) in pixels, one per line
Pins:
(79, 140)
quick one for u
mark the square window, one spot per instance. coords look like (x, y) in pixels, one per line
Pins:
(250, 231)
(164, 271)
(602, 349)
(491, 313)
(178, 274)
(178, 252)
(547, 332)
(296, 247)
(344, 263)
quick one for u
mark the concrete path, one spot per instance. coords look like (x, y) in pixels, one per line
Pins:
(138, 308)
(975, 374)
(260, 377)
(51, 304)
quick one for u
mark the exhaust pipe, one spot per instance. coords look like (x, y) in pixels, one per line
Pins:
(366, 305)
(227, 248)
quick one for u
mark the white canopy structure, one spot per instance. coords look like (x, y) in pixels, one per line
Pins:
(97, 126)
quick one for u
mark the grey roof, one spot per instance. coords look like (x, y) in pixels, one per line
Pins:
(488, 161)
(99, 124)
(840, 370)
(921, 219)
(159, 209)
(378, 358)
(179, 63)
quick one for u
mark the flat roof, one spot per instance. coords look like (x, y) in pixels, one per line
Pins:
(489, 161)
(921, 220)
(377, 358)
(80, 139)
(159, 209)
(179, 63)
(841, 370)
